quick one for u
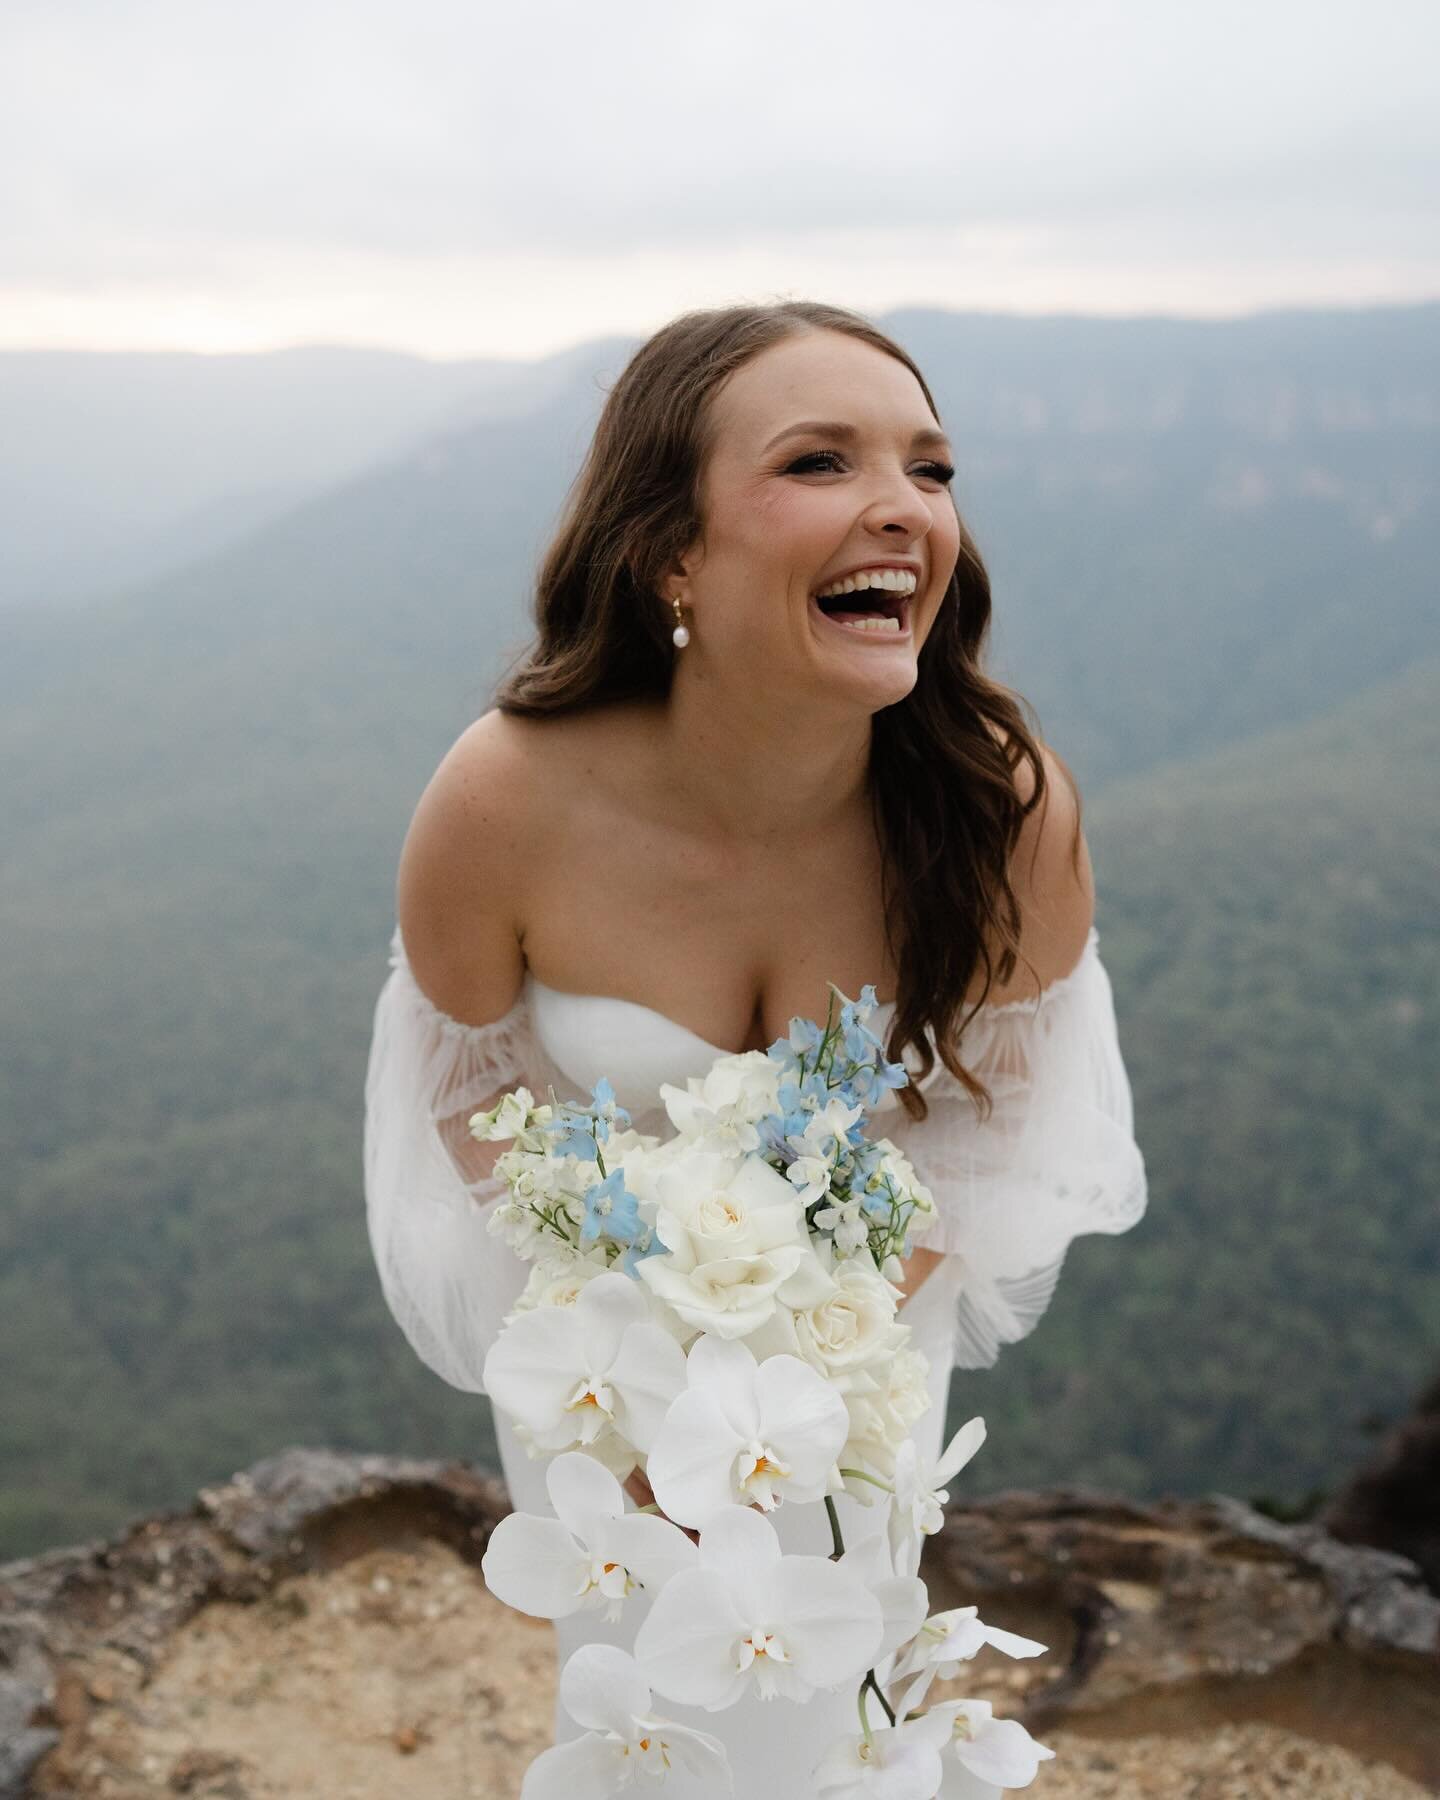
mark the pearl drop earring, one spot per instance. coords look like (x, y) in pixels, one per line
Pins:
(680, 636)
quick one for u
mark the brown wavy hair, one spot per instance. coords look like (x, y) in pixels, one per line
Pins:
(943, 764)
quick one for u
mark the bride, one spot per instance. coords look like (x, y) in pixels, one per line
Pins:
(752, 751)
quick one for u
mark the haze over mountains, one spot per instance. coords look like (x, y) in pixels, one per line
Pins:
(117, 467)
(1212, 550)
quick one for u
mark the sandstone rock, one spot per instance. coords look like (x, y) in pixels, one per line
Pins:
(318, 1626)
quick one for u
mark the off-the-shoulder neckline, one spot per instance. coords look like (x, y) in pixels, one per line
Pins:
(989, 1010)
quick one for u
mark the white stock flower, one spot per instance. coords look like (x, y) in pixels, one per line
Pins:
(750, 1616)
(510, 1117)
(602, 1687)
(725, 1105)
(811, 1174)
(901, 1171)
(845, 1220)
(737, 1243)
(592, 1554)
(986, 1755)
(744, 1432)
(918, 1508)
(517, 1226)
(572, 1374)
(899, 1762)
(825, 1127)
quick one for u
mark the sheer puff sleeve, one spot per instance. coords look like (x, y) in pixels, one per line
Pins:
(1055, 1158)
(446, 1279)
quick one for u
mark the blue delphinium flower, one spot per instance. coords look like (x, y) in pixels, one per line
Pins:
(611, 1211)
(646, 1243)
(572, 1132)
(575, 1130)
(605, 1108)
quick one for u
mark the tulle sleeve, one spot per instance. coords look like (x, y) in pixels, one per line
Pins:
(446, 1278)
(1056, 1158)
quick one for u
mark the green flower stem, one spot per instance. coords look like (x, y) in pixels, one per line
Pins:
(874, 1480)
(874, 1687)
(860, 1701)
(836, 1536)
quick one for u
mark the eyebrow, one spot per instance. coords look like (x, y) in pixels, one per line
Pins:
(836, 428)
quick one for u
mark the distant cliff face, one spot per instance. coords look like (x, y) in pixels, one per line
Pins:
(318, 1626)
(1394, 1501)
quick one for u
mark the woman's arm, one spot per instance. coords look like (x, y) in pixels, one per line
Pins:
(918, 1266)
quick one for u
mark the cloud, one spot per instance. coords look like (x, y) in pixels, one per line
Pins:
(147, 139)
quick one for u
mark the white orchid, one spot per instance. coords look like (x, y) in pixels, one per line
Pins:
(592, 1554)
(985, 1756)
(576, 1374)
(602, 1688)
(745, 1433)
(749, 1616)
(947, 1639)
(902, 1598)
(737, 1242)
(895, 1762)
(917, 1510)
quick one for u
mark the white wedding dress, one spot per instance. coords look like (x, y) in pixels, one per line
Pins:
(1056, 1158)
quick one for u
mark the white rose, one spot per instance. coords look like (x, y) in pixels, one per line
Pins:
(853, 1327)
(555, 1282)
(726, 1104)
(881, 1417)
(627, 1145)
(736, 1241)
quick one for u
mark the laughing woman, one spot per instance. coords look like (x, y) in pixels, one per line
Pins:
(751, 752)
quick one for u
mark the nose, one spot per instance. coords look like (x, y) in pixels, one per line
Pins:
(898, 509)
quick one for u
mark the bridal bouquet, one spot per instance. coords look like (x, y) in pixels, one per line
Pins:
(718, 1311)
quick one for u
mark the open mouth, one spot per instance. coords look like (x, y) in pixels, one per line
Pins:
(867, 613)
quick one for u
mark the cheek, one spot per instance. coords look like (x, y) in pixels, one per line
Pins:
(792, 523)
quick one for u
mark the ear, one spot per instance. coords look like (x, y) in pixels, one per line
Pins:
(682, 570)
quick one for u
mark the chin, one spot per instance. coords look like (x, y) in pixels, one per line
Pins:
(889, 679)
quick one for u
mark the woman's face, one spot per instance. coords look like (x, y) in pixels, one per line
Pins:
(825, 460)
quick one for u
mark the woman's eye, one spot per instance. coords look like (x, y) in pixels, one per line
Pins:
(824, 461)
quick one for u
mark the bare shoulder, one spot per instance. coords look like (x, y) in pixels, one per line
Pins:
(1053, 880)
(460, 888)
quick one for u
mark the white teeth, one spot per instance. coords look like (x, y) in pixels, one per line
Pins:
(892, 625)
(894, 581)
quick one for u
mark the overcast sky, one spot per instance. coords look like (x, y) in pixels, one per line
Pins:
(452, 178)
